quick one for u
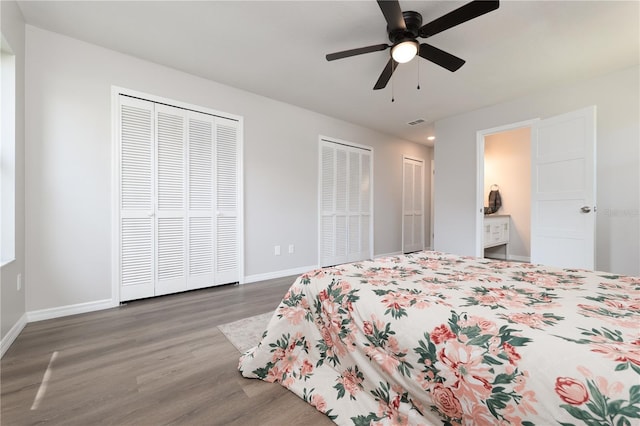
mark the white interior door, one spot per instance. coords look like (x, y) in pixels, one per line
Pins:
(227, 201)
(136, 227)
(563, 190)
(171, 250)
(413, 205)
(200, 184)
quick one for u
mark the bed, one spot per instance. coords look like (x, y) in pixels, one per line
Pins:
(431, 338)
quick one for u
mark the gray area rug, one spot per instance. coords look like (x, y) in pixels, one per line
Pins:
(246, 333)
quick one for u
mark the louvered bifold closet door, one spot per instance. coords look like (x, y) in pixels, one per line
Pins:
(327, 204)
(366, 221)
(200, 232)
(340, 212)
(345, 207)
(418, 206)
(136, 250)
(413, 205)
(359, 214)
(171, 241)
(334, 238)
(227, 184)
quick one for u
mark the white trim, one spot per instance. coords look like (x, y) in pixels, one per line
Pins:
(115, 194)
(240, 195)
(63, 311)
(13, 334)
(278, 274)
(346, 143)
(480, 135)
(116, 90)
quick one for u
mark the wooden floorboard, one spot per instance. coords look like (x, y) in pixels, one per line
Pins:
(159, 361)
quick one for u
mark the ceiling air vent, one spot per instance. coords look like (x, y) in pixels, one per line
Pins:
(414, 122)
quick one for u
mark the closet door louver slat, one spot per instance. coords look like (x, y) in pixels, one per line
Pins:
(327, 203)
(201, 201)
(354, 206)
(171, 191)
(227, 244)
(365, 205)
(136, 226)
(342, 179)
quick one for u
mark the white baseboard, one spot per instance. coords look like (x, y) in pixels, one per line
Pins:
(278, 274)
(7, 340)
(63, 311)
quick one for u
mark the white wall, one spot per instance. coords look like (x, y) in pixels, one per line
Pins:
(507, 163)
(618, 164)
(12, 308)
(69, 150)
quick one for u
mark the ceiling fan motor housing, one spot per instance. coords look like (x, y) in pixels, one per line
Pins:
(413, 22)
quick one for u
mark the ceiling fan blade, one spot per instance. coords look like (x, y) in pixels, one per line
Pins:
(463, 14)
(440, 57)
(354, 52)
(392, 14)
(387, 72)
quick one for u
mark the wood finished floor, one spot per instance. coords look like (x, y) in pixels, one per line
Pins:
(159, 361)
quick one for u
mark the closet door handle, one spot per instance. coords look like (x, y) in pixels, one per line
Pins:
(585, 209)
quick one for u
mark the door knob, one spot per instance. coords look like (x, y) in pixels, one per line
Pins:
(585, 209)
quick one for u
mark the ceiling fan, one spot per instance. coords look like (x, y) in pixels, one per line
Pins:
(404, 28)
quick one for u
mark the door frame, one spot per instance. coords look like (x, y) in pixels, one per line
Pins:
(480, 135)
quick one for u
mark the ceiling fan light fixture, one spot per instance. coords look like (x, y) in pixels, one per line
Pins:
(404, 51)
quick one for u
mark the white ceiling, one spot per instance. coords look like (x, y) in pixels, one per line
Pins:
(277, 48)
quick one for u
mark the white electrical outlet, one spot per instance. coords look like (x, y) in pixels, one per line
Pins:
(19, 279)
(291, 248)
(276, 250)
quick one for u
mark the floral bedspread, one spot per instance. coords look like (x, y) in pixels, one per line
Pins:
(430, 338)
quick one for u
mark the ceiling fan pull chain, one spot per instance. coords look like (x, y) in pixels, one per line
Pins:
(418, 74)
(393, 79)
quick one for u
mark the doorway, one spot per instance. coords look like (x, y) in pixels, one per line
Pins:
(498, 149)
(507, 170)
